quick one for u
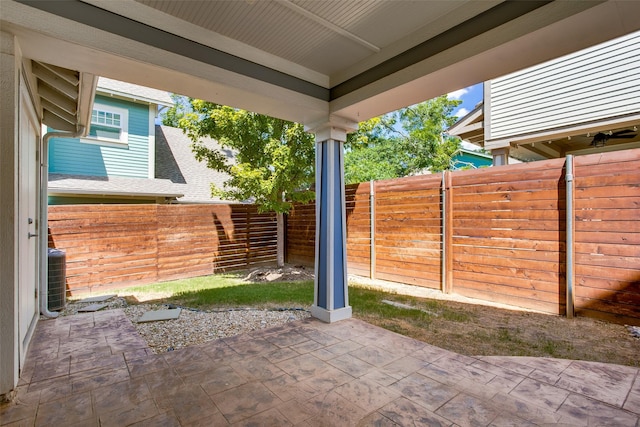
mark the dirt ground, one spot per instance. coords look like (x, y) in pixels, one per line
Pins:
(476, 330)
(481, 330)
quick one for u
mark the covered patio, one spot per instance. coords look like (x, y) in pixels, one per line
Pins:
(327, 65)
(95, 370)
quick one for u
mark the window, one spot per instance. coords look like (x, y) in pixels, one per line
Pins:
(108, 125)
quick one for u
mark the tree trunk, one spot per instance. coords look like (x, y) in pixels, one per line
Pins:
(281, 239)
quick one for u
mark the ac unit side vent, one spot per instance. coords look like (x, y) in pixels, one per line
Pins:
(56, 279)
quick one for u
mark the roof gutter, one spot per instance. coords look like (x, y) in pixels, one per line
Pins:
(44, 216)
(103, 193)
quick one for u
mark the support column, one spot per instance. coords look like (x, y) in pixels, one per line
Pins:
(331, 297)
(500, 156)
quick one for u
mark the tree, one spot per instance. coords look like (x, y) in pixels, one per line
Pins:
(274, 159)
(405, 142)
(172, 115)
(380, 160)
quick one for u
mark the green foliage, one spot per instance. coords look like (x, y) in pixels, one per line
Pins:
(405, 142)
(382, 160)
(171, 116)
(274, 158)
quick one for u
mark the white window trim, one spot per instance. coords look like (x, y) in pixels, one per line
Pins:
(124, 126)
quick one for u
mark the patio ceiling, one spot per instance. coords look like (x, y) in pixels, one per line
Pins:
(308, 60)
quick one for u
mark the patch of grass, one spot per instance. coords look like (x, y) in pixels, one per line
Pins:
(282, 294)
(224, 290)
(550, 347)
(194, 284)
(505, 335)
(456, 316)
(367, 303)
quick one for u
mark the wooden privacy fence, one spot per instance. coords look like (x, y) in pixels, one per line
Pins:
(505, 234)
(110, 246)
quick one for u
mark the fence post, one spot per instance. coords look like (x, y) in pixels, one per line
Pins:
(248, 238)
(569, 235)
(447, 234)
(372, 232)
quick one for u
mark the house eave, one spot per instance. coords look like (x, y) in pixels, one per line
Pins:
(102, 193)
(134, 98)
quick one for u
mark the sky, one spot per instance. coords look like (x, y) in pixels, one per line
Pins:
(470, 96)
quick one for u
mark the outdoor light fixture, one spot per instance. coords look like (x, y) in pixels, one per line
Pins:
(600, 139)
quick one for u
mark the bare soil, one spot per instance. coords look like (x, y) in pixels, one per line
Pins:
(488, 331)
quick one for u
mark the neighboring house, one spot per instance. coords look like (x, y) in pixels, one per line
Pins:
(469, 159)
(126, 158)
(580, 103)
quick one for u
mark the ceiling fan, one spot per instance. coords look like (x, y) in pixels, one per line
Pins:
(600, 138)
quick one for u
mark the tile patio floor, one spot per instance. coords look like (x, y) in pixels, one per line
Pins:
(93, 369)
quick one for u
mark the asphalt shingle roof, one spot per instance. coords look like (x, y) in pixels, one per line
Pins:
(131, 90)
(176, 162)
(112, 185)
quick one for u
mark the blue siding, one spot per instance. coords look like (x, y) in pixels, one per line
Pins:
(465, 159)
(70, 156)
(62, 200)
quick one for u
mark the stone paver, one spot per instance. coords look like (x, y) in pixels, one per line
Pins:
(93, 369)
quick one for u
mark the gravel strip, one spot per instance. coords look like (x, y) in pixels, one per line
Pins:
(196, 327)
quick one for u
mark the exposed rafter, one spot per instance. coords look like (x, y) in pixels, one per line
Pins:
(329, 25)
(54, 80)
(55, 97)
(53, 108)
(63, 73)
(65, 96)
(541, 150)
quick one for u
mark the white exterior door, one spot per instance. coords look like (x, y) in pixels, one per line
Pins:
(27, 220)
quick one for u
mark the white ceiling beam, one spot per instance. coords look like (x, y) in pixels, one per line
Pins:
(328, 25)
(86, 94)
